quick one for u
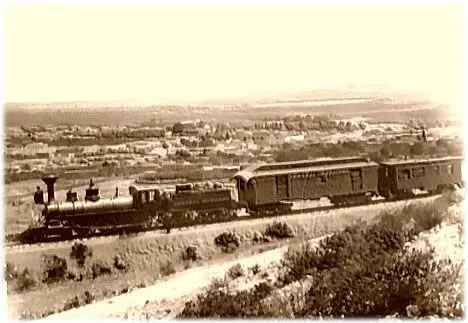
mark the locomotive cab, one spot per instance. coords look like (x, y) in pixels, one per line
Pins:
(148, 197)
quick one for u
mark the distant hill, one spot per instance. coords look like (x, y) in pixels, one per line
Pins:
(347, 101)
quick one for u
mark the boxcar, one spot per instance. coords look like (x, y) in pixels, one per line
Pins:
(400, 177)
(260, 186)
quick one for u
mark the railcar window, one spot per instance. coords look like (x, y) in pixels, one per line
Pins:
(142, 197)
(437, 169)
(386, 171)
(404, 174)
(419, 172)
(324, 178)
(450, 169)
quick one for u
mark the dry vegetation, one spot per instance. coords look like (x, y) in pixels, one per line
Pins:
(364, 271)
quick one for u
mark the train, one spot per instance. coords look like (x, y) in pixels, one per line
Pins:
(260, 189)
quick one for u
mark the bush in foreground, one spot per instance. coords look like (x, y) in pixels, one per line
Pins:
(55, 268)
(100, 268)
(80, 252)
(219, 302)
(11, 272)
(280, 230)
(26, 281)
(228, 241)
(119, 264)
(363, 271)
(235, 271)
(191, 253)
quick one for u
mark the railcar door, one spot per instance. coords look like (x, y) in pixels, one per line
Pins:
(356, 179)
(282, 187)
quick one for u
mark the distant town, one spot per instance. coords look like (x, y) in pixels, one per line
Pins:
(72, 150)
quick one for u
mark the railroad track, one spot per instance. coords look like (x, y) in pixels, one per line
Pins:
(12, 246)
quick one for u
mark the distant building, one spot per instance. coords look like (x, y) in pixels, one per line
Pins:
(294, 138)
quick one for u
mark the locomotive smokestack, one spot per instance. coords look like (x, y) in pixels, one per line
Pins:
(50, 182)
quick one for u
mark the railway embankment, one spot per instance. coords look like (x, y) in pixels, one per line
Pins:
(150, 258)
(268, 269)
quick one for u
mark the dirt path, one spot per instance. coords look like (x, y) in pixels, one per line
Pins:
(189, 282)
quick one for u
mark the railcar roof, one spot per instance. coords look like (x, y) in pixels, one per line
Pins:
(308, 162)
(420, 161)
(256, 170)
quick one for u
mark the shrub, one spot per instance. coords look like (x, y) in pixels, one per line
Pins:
(372, 291)
(80, 252)
(72, 303)
(26, 280)
(76, 301)
(100, 268)
(285, 302)
(235, 271)
(222, 303)
(88, 297)
(258, 237)
(11, 272)
(167, 268)
(192, 253)
(414, 219)
(55, 268)
(228, 241)
(280, 230)
(298, 261)
(442, 291)
(255, 269)
(119, 263)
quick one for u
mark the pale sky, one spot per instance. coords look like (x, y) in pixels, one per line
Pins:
(62, 53)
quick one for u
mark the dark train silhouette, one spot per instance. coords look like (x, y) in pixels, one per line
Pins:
(260, 189)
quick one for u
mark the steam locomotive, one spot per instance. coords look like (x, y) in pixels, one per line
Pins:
(260, 189)
(146, 207)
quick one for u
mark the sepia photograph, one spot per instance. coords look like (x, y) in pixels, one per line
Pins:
(233, 161)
